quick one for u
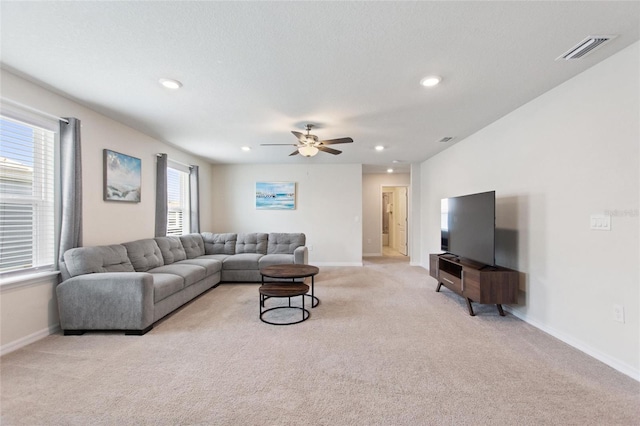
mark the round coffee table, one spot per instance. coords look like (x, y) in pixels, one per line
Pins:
(293, 272)
(283, 290)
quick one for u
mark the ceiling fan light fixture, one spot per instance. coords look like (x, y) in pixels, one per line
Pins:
(431, 80)
(308, 151)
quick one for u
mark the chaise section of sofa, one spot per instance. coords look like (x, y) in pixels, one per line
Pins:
(132, 285)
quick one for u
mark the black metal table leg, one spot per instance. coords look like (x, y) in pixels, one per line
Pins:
(470, 307)
(314, 300)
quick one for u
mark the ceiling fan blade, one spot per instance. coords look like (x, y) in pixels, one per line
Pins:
(329, 150)
(298, 135)
(293, 153)
(278, 144)
(335, 141)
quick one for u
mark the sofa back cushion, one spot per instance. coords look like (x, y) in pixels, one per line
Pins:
(193, 245)
(219, 243)
(171, 249)
(91, 260)
(285, 243)
(144, 254)
(255, 242)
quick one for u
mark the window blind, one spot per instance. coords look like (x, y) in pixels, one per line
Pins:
(27, 215)
(177, 202)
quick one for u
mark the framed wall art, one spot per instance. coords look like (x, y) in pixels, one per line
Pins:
(122, 177)
(275, 195)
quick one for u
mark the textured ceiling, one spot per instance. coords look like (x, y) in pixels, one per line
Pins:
(254, 71)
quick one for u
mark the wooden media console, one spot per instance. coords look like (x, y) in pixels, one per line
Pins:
(476, 283)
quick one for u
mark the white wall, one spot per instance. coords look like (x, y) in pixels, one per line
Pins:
(568, 154)
(415, 215)
(29, 312)
(328, 206)
(372, 184)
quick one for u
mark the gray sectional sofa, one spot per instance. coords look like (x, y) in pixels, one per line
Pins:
(132, 285)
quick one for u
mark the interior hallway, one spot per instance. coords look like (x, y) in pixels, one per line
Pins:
(391, 252)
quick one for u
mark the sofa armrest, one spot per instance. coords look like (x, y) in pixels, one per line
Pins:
(301, 255)
(106, 301)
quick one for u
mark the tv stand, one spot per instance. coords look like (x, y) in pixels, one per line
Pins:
(476, 283)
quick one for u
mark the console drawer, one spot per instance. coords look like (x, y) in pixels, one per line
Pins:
(450, 281)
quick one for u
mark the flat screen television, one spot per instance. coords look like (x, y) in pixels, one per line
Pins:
(468, 225)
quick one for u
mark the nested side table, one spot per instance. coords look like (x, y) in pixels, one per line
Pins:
(293, 272)
(283, 290)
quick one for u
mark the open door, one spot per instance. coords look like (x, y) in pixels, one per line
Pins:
(395, 224)
(401, 220)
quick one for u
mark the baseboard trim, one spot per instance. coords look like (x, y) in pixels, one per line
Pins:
(27, 340)
(336, 263)
(604, 358)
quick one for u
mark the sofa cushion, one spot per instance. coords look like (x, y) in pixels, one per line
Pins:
(211, 265)
(164, 285)
(144, 254)
(91, 260)
(285, 242)
(171, 249)
(190, 273)
(252, 243)
(220, 257)
(219, 243)
(193, 245)
(242, 261)
(275, 259)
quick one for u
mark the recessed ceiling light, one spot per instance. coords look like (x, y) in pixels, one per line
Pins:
(379, 148)
(246, 148)
(389, 170)
(430, 81)
(170, 84)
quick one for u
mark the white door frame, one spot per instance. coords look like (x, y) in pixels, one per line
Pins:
(394, 185)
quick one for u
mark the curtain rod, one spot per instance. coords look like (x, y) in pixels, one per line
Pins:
(37, 111)
(174, 161)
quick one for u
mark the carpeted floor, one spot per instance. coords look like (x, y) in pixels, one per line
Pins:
(382, 348)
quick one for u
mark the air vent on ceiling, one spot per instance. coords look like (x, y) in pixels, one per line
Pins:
(446, 139)
(585, 47)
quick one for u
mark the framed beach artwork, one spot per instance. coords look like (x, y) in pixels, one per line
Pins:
(275, 195)
(122, 177)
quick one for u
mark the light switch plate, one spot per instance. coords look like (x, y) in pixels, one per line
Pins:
(601, 222)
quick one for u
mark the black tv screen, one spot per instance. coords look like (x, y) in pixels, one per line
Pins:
(468, 226)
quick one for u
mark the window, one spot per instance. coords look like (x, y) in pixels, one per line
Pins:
(27, 207)
(178, 213)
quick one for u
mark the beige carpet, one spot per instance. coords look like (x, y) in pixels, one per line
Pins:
(382, 348)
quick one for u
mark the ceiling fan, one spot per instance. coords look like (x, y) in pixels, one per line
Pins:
(309, 145)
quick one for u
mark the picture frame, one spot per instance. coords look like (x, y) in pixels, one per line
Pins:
(122, 177)
(275, 195)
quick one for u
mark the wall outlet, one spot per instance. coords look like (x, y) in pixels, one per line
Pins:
(618, 313)
(310, 247)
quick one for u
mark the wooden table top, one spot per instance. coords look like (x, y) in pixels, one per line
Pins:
(283, 290)
(289, 271)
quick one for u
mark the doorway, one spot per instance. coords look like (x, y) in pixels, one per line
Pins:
(394, 223)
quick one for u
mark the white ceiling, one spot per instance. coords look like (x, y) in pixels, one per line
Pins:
(254, 71)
